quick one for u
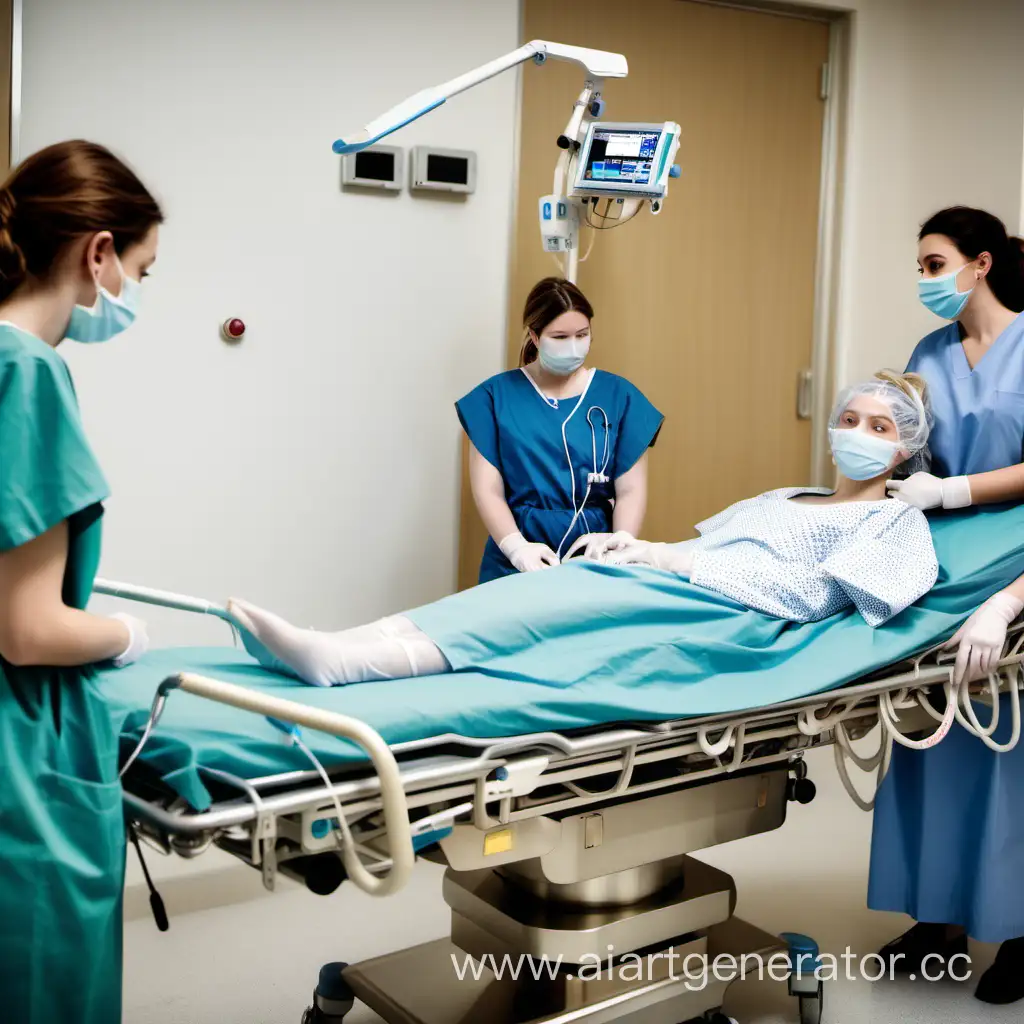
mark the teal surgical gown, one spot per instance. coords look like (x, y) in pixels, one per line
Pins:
(948, 840)
(61, 824)
(519, 432)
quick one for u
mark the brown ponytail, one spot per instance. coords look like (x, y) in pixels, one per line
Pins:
(58, 195)
(548, 300)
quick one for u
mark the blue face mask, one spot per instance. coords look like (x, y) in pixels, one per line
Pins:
(563, 357)
(108, 316)
(861, 456)
(939, 294)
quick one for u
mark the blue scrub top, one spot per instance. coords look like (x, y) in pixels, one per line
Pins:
(948, 840)
(519, 432)
(979, 413)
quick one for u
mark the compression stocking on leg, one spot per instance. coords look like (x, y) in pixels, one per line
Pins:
(392, 648)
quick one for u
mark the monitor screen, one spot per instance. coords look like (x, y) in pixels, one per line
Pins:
(452, 170)
(373, 165)
(622, 157)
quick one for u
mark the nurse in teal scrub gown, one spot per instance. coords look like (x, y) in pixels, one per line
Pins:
(77, 233)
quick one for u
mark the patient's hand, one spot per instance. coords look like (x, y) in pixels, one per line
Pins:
(597, 546)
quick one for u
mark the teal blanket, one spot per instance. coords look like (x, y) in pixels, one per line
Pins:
(681, 652)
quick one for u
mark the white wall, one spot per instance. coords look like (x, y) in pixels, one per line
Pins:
(935, 119)
(315, 467)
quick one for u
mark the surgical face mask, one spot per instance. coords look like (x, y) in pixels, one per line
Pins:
(563, 357)
(939, 294)
(109, 315)
(862, 456)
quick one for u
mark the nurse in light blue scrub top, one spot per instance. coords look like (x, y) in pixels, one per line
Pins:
(948, 843)
(557, 448)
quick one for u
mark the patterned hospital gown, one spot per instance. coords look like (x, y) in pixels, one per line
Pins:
(805, 562)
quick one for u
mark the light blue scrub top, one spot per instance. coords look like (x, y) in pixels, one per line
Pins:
(979, 413)
(519, 432)
(948, 840)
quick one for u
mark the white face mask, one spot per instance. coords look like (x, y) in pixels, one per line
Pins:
(563, 356)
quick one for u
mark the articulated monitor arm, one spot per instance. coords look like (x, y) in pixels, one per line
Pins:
(598, 65)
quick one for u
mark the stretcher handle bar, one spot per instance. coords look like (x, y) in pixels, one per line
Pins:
(162, 598)
(396, 811)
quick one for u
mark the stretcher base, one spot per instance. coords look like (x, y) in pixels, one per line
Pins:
(420, 986)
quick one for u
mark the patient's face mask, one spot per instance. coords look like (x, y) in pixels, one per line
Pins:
(860, 455)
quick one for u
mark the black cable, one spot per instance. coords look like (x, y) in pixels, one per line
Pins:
(156, 903)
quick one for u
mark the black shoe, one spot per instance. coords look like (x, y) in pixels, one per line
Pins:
(1003, 982)
(906, 954)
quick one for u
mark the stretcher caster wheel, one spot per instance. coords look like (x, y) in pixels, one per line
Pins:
(332, 999)
(803, 791)
(719, 1018)
(812, 1007)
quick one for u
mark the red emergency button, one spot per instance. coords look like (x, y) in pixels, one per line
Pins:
(233, 329)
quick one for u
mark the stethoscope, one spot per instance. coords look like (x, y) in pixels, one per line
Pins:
(596, 476)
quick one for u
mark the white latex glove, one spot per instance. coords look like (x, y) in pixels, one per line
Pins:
(596, 545)
(927, 491)
(982, 637)
(527, 556)
(669, 557)
(138, 640)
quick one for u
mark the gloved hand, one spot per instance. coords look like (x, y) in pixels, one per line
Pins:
(927, 491)
(138, 640)
(670, 557)
(527, 556)
(983, 636)
(596, 545)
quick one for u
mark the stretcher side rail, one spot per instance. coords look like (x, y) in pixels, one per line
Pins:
(435, 784)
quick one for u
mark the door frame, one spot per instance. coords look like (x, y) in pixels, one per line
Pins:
(17, 22)
(826, 275)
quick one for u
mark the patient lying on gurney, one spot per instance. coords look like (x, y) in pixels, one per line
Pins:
(797, 554)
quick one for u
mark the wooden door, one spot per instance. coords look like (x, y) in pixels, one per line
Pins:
(707, 307)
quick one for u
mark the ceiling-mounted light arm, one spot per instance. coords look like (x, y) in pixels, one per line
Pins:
(598, 64)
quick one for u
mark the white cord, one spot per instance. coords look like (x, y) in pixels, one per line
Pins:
(1011, 743)
(346, 833)
(880, 759)
(966, 715)
(889, 718)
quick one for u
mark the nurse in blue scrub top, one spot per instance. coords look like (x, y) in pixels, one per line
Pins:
(557, 448)
(948, 843)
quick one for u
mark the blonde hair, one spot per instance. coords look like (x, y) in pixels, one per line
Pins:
(913, 385)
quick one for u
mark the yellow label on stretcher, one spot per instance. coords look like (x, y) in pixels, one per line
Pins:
(497, 842)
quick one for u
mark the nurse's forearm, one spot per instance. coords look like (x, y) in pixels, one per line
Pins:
(489, 497)
(36, 626)
(631, 499)
(997, 486)
(67, 638)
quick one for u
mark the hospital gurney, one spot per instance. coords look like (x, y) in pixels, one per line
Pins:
(559, 844)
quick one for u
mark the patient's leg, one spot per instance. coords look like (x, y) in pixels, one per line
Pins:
(391, 648)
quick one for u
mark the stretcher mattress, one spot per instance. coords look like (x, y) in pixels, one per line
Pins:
(746, 661)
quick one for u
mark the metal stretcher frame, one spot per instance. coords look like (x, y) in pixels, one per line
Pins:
(434, 782)
(691, 783)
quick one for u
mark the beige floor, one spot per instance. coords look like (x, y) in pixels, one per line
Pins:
(237, 955)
